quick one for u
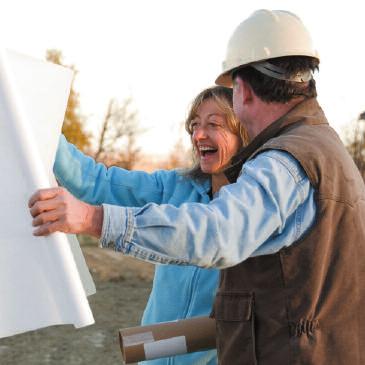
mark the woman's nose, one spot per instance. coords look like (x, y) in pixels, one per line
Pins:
(199, 133)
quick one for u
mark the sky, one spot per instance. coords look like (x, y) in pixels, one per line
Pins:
(164, 52)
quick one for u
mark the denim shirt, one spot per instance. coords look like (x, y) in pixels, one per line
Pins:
(178, 291)
(269, 207)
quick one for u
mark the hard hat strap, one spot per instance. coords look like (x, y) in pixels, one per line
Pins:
(277, 72)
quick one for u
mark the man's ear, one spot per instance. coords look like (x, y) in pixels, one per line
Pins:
(247, 92)
(244, 90)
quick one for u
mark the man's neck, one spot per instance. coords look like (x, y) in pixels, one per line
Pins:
(265, 114)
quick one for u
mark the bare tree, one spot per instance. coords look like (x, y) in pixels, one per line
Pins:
(74, 122)
(180, 156)
(117, 142)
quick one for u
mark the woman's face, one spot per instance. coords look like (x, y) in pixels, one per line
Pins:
(213, 142)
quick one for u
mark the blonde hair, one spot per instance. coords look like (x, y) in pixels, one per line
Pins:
(222, 96)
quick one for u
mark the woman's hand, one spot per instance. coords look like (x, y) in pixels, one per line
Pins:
(55, 209)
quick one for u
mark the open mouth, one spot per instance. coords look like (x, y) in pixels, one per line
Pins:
(206, 151)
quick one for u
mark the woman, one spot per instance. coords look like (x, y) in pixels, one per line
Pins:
(178, 291)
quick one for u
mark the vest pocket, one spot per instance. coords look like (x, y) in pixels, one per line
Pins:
(234, 314)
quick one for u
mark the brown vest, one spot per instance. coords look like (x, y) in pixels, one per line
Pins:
(305, 304)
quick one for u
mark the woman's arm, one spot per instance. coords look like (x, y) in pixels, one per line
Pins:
(94, 183)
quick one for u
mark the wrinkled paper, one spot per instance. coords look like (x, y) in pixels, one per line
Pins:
(44, 281)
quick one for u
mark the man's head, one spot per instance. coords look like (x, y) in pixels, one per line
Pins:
(262, 37)
(271, 80)
(270, 57)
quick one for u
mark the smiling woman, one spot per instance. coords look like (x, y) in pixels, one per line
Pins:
(178, 292)
(213, 141)
(215, 133)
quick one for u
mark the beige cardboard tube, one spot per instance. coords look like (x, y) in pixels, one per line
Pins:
(167, 339)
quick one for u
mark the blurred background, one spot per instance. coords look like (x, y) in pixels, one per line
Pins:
(137, 65)
(146, 60)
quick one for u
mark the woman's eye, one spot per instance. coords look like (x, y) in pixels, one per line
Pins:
(193, 125)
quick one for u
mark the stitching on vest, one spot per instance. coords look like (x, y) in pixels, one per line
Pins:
(337, 199)
(304, 326)
(286, 295)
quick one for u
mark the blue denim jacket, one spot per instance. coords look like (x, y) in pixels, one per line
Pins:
(178, 291)
(269, 207)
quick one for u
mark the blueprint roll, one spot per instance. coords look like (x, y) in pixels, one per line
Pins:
(167, 339)
(40, 284)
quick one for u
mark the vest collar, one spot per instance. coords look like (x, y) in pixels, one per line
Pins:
(307, 111)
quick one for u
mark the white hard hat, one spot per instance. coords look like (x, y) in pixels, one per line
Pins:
(264, 35)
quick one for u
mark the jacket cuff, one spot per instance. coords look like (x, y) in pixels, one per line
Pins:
(117, 227)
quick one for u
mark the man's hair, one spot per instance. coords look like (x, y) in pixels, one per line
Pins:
(270, 89)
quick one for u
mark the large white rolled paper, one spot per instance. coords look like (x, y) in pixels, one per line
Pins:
(40, 283)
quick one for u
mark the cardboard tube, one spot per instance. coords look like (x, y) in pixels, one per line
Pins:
(167, 339)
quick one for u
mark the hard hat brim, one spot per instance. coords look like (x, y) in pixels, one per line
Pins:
(224, 79)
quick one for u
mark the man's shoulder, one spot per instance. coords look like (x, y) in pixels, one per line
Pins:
(275, 159)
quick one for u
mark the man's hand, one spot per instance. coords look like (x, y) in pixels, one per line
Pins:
(56, 209)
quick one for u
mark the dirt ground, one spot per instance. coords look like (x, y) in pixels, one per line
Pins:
(122, 285)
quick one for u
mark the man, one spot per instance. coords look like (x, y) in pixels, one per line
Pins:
(287, 233)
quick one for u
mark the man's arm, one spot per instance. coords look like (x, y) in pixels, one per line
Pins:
(270, 207)
(260, 214)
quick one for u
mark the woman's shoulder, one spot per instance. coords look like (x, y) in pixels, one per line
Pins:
(180, 177)
(173, 176)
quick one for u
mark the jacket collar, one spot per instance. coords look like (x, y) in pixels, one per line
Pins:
(203, 186)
